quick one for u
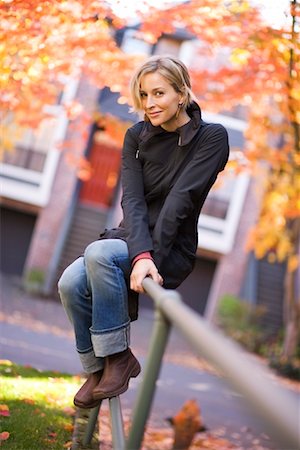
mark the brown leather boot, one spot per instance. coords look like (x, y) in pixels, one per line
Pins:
(84, 397)
(118, 370)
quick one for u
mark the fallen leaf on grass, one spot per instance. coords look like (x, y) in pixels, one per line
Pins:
(69, 411)
(29, 401)
(38, 411)
(55, 379)
(4, 411)
(69, 427)
(52, 435)
(54, 397)
(49, 441)
(5, 362)
(4, 435)
(78, 378)
(68, 445)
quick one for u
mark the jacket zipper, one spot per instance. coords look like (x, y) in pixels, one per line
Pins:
(137, 153)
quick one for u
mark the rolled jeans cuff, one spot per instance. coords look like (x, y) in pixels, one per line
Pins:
(90, 363)
(108, 343)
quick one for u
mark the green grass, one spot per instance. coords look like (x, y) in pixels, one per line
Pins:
(40, 409)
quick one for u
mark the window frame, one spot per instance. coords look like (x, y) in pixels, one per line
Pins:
(34, 187)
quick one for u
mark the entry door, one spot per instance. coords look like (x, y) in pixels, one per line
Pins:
(105, 161)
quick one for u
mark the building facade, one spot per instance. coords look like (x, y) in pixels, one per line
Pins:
(48, 215)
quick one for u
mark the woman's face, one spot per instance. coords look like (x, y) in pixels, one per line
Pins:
(159, 100)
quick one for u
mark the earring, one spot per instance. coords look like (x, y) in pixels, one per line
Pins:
(178, 110)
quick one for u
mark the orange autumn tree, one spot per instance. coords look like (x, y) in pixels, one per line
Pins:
(260, 70)
(42, 43)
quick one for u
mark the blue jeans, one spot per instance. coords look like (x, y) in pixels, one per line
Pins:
(93, 291)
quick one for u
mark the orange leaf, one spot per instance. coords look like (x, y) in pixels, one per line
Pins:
(293, 263)
(69, 427)
(52, 434)
(69, 411)
(4, 435)
(4, 411)
(29, 401)
(186, 423)
(4, 408)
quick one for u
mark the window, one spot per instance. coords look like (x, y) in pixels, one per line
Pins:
(27, 173)
(221, 212)
(134, 43)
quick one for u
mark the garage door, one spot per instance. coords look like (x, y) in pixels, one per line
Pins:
(16, 230)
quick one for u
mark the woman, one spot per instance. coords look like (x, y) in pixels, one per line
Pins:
(170, 161)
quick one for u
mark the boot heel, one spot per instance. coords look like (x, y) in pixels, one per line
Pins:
(136, 370)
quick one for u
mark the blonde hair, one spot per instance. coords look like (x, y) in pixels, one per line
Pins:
(172, 69)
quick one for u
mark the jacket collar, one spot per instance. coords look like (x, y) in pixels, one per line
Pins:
(186, 133)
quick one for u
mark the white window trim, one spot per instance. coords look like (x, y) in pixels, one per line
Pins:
(30, 186)
(131, 34)
(227, 121)
(216, 234)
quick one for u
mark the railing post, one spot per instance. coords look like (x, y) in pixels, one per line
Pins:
(278, 409)
(93, 416)
(271, 403)
(143, 403)
(117, 427)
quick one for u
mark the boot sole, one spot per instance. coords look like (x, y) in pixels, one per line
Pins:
(92, 402)
(133, 374)
(87, 406)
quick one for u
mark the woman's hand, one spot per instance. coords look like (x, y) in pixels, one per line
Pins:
(141, 269)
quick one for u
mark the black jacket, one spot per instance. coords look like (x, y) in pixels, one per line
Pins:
(166, 177)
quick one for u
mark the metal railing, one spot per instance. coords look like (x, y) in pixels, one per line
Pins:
(279, 411)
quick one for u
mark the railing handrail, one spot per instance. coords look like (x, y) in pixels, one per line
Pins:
(279, 411)
(271, 403)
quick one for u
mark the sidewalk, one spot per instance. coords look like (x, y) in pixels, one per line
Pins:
(35, 331)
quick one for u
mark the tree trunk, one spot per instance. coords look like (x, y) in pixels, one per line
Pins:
(292, 284)
(292, 301)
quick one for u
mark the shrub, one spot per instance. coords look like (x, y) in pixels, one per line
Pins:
(241, 321)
